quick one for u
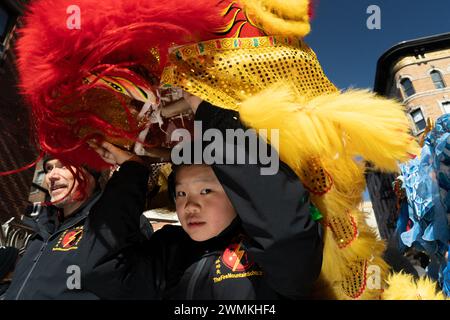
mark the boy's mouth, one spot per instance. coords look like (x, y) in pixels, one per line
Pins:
(194, 224)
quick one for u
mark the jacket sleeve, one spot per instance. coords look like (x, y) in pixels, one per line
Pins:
(274, 210)
(115, 218)
(115, 262)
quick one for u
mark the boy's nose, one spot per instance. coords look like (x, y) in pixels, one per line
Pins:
(191, 206)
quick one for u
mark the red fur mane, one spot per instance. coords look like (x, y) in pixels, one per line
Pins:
(53, 59)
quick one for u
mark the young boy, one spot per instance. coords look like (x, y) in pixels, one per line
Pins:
(242, 236)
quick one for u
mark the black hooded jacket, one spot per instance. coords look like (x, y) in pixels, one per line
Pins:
(272, 250)
(95, 253)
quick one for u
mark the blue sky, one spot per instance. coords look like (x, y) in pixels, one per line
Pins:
(348, 51)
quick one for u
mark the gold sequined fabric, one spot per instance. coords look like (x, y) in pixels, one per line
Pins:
(105, 105)
(344, 229)
(355, 284)
(155, 173)
(227, 71)
(315, 178)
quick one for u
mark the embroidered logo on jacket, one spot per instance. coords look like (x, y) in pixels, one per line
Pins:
(236, 260)
(69, 239)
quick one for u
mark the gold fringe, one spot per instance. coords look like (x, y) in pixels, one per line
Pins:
(404, 287)
(338, 267)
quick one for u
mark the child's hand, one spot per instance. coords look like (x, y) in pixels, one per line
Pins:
(192, 100)
(112, 154)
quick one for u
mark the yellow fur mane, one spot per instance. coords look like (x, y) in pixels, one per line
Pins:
(325, 139)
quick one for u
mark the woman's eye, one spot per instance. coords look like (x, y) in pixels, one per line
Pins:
(205, 191)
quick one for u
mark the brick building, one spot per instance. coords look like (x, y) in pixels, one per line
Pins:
(417, 73)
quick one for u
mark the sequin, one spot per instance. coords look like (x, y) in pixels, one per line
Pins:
(230, 71)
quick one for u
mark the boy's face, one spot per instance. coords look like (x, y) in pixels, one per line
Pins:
(202, 205)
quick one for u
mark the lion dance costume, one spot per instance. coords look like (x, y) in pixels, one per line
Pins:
(427, 200)
(105, 78)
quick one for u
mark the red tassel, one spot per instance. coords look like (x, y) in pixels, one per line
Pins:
(28, 166)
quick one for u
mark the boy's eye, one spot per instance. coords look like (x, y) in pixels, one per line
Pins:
(180, 194)
(205, 191)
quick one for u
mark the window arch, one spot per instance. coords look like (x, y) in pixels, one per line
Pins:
(407, 86)
(438, 81)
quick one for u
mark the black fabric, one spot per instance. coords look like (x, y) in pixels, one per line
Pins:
(8, 258)
(281, 244)
(182, 257)
(107, 251)
(217, 118)
(3, 288)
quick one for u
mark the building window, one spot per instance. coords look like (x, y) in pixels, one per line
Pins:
(446, 106)
(418, 119)
(438, 81)
(407, 86)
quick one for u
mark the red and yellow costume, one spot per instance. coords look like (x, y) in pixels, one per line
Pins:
(249, 56)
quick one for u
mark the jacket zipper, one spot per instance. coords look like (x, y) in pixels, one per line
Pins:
(86, 208)
(35, 261)
(195, 275)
